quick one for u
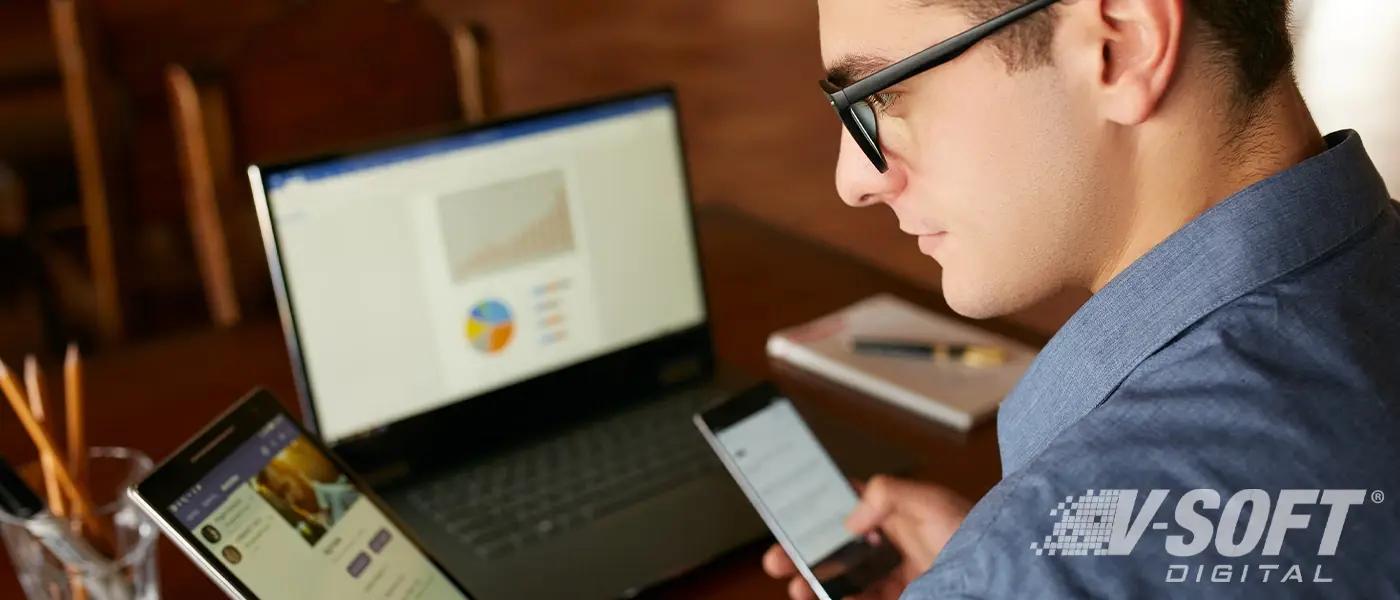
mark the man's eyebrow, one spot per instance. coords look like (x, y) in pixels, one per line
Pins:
(851, 68)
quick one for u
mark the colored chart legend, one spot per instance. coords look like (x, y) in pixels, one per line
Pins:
(549, 310)
(490, 326)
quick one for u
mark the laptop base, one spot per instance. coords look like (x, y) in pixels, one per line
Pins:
(630, 547)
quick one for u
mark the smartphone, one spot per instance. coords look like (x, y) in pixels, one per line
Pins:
(269, 513)
(797, 489)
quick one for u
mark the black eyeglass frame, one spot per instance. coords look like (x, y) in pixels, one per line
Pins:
(859, 117)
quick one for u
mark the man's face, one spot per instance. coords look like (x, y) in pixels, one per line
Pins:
(998, 173)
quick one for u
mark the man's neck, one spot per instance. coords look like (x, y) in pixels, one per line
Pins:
(1182, 168)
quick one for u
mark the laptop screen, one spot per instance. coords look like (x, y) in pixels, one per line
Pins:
(425, 274)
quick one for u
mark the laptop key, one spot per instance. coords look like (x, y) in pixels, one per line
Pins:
(495, 550)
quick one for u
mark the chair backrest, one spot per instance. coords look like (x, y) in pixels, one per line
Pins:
(339, 72)
(330, 74)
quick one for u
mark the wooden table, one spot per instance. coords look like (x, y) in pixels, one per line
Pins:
(154, 395)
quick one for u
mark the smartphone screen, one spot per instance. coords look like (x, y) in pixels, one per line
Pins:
(801, 493)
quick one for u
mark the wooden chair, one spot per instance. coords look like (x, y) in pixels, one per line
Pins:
(330, 74)
(88, 94)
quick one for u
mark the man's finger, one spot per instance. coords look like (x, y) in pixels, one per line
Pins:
(777, 564)
(905, 533)
(799, 590)
(934, 502)
(880, 499)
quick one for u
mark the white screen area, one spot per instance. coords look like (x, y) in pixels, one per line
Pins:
(486, 260)
(795, 480)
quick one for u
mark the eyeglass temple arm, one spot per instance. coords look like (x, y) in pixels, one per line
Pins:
(940, 53)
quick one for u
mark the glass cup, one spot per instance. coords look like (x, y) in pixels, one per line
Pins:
(130, 573)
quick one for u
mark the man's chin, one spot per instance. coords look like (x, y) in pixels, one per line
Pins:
(977, 300)
(971, 310)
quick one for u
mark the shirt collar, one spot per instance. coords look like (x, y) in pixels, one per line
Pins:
(1249, 239)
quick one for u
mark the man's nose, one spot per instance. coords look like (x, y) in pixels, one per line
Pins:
(858, 182)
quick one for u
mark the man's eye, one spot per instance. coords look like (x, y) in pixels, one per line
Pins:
(882, 101)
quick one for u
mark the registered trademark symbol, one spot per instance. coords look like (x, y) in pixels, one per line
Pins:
(1377, 496)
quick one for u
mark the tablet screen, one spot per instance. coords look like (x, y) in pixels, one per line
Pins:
(283, 519)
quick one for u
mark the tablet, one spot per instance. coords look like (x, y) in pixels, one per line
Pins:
(269, 513)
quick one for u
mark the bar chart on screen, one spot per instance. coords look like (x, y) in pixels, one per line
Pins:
(506, 225)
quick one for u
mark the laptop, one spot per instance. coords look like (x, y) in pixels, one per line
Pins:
(505, 330)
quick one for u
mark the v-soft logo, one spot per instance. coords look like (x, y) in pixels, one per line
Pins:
(1111, 523)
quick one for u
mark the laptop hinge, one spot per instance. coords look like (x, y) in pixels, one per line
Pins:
(680, 370)
(383, 475)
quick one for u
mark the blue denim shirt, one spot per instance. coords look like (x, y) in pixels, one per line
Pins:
(1222, 420)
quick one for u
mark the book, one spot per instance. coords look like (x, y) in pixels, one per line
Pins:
(957, 395)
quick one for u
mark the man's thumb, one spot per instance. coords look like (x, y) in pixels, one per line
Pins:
(878, 501)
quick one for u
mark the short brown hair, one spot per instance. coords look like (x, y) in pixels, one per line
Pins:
(1249, 37)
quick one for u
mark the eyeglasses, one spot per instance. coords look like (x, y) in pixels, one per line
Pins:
(852, 103)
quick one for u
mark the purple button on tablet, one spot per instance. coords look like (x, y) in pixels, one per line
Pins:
(379, 540)
(358, 565)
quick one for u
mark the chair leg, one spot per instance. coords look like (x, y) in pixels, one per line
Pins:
(473, 71)
(201, 198)
(79, 93)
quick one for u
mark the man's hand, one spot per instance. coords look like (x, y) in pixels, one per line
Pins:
(918, 518)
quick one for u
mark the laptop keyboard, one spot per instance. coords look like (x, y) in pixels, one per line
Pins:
(561, 483)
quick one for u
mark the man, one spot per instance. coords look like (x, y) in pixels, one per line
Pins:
(1222, 417)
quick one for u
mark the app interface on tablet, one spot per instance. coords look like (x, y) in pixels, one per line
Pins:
(290, 525)
(794, 478)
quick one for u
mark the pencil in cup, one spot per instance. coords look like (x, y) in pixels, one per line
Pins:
(38, 404)
(76, 438)
(73, 410)
(81, 503)
(89, 568)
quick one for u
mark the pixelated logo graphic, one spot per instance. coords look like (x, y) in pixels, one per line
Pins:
(1083, 525)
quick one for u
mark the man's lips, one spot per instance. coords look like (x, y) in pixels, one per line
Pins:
(921, 233)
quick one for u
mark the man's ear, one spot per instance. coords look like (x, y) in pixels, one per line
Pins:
(1140, 44)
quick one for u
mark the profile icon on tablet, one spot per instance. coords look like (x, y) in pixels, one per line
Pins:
(210, 534)
(232, 555)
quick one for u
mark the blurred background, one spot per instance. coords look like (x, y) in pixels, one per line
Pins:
(125, 126)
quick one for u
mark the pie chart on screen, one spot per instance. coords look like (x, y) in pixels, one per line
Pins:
(489, 326)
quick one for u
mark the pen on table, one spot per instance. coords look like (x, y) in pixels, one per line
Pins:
(968, 354)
